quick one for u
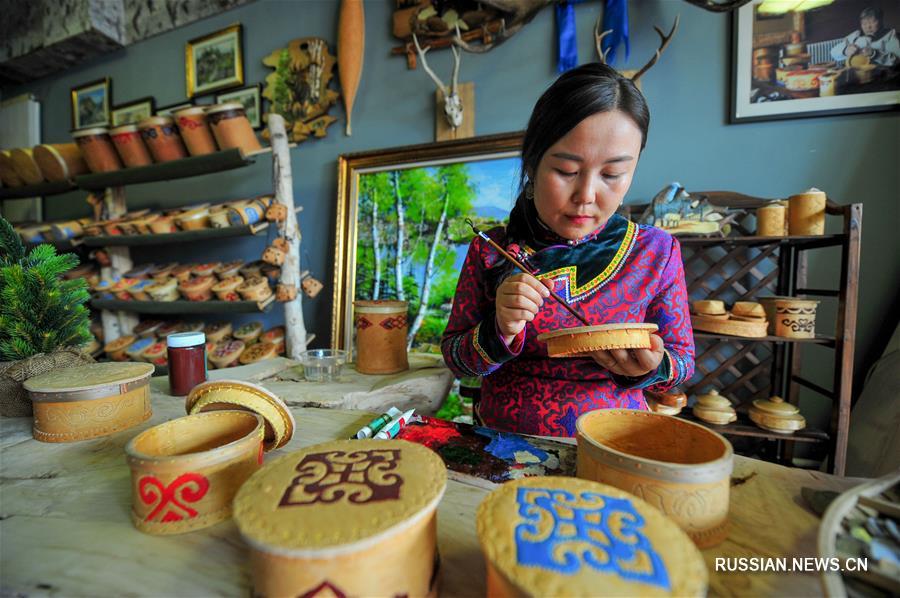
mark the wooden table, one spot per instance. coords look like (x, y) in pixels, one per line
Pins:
(65, 527)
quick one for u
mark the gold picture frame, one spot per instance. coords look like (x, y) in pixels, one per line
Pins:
(490, 164)
(91, 104)
(214, 61)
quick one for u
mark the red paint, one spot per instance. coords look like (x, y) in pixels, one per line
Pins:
(433, 434)
(189, 487)
(259, 457)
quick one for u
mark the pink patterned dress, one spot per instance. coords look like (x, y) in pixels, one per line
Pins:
(623, 272)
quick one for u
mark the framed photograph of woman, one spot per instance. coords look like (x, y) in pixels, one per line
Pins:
(133, 112)
(401, 231)
(837, 58)
(250, 98)
(90, 104)
(215, 61)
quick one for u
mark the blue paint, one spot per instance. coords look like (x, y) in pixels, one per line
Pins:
(505, 446)
(581, 535)
(568, 421)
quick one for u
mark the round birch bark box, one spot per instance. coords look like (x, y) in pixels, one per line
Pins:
(558, 536)
(344, 518)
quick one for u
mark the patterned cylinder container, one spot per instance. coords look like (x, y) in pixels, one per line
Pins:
(344, 518)
(381, 328)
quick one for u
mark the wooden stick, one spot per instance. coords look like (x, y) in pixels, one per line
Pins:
(522, 267)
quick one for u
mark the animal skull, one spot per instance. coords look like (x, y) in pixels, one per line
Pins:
(453, 106)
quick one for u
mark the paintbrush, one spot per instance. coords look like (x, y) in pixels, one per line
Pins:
(522, 267)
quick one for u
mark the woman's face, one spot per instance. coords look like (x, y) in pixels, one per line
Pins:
(869, 25)
(582, 178)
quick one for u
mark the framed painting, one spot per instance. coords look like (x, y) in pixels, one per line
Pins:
(90, 104)
(214, 61)
(173, 108)
(133, 112)
(401, 231)
(835, 58)
(250, 98)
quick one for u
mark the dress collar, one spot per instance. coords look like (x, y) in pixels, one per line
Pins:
(545, 236)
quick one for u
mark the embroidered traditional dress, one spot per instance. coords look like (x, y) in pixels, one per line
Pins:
(623, 272)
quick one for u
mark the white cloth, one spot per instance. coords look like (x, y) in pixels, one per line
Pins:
(886, 48)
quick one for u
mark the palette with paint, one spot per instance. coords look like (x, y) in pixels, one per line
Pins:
(485, 457)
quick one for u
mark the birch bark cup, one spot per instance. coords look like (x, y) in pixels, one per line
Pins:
(381, 329)
(679, 467)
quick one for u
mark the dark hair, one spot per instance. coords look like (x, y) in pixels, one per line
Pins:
(872, 13)
(574, 96)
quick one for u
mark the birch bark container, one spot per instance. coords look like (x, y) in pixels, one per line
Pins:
(130, 145)
(381, 328)
(59, 161)
(807, 213)
(89, 401)
(795, 318)
(558, 536)
(679, 467)
(195, 130)
(771, 220)
(26, 167)
(231, 128)
(97, 149)
(344, 518)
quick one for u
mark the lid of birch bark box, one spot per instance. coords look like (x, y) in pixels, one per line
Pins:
(218, 395)
(89, 376)
(339, 497)
(559, 536)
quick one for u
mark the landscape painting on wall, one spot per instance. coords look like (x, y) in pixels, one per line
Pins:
(401, 231)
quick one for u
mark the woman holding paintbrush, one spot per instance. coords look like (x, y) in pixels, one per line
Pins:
(590, 265)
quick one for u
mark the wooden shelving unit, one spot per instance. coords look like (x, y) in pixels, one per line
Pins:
(41, 190)
(185, 307)
(187, 236)
(743, 267)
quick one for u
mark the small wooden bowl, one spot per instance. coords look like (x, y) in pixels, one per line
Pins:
(585, 339)
(164, 291)
(255, 288)
(182, 272)
(163, 225)
(249, 332)
(680, 467)
(228, 269)
(748, 309)
(226, 353)
(714, 409)
(729, 326)
(197, 289)
(708, 307)
(194, 219)
(217, 332)
(775, 415)
(115, 350)
(226, 289)
(258, 352)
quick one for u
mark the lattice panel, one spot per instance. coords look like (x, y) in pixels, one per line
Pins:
(736, 369)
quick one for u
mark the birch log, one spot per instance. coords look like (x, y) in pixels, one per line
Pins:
(295, 329)
(120, 323)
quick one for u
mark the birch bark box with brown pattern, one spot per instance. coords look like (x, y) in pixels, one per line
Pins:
(381, 328)
(679, 467)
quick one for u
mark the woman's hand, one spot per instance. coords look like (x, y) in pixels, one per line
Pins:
(633, 363)
(519, 298)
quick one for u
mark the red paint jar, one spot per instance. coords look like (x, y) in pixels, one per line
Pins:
(187, 361)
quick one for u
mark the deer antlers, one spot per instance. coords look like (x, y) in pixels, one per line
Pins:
(453, 107)
(665, 39)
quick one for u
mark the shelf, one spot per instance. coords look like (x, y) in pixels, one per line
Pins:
(164, 171)
(805, 242)
(67, 245)
(36, 190)
(185, 307)
(186, 236)
(828, 341)
(740, 428)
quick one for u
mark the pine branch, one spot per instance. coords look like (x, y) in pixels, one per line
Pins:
(12, 250)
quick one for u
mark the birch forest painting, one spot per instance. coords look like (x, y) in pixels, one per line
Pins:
(412, 238)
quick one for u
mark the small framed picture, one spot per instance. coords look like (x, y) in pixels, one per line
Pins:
(214, 61)
(133, 112)
(251, 98)
(90, 104)
(173, 108)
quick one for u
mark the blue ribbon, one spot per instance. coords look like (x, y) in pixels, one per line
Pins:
(615, 17)
(568, 40)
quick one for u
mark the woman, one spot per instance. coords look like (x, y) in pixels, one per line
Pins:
(872, 39)
(579, 154)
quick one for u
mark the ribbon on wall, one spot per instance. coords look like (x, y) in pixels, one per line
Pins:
(615, 17)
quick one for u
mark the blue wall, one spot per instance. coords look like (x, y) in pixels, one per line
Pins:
(853, 158)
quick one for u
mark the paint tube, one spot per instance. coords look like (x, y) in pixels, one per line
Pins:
(376, 424)
(392, 429)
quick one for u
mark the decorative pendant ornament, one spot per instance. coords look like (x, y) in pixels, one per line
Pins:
(281, 243)
(277, 212)
(311, 286)
(273, 255)
(285, 292)
(298, 89)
